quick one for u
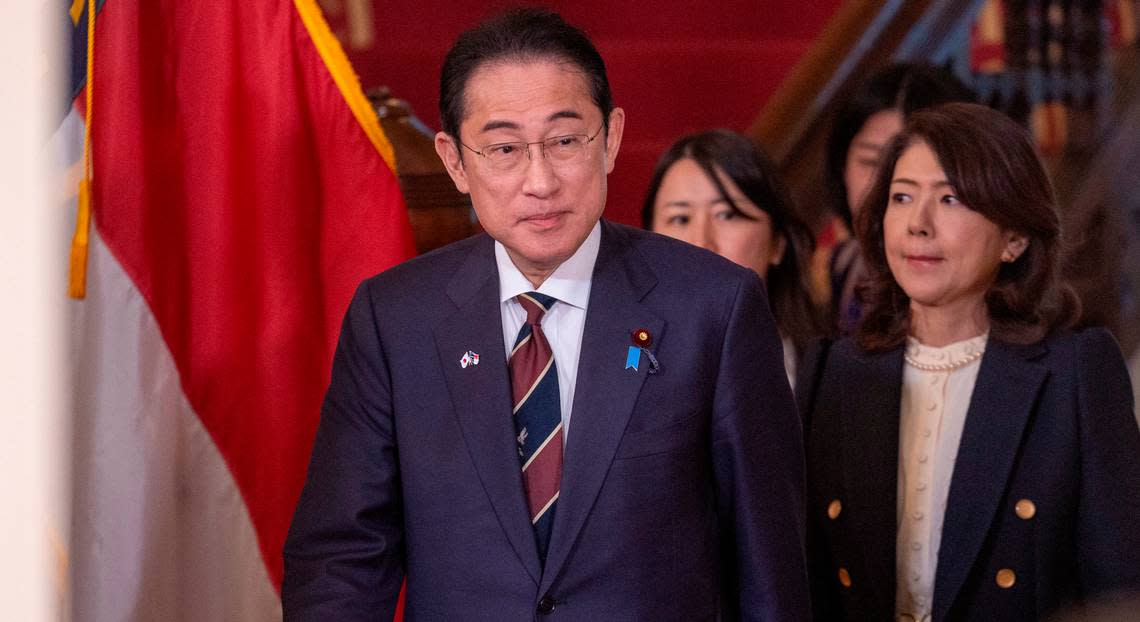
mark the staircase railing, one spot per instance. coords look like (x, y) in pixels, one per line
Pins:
(863, 36)
(1061, 70)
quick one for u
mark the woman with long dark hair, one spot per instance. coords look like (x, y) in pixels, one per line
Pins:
(969, 457)
(720, 191)
(864, 125)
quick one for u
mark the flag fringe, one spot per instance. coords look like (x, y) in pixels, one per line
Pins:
(77, 283)
(346, 79)
(77, 265)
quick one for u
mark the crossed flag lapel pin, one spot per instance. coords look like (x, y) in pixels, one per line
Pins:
(469, 358)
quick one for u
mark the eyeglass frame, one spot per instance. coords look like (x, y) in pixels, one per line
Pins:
(526, 145)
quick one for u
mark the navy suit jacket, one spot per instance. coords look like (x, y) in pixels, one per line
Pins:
(1051, 423)
(682, 492)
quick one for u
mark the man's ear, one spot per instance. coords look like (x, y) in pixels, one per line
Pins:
(613, 137)
(448, 151)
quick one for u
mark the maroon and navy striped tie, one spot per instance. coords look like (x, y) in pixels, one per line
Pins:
(538, 416)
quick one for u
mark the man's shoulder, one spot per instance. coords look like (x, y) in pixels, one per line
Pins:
(431, 272)
(428, 270)
(676, 265)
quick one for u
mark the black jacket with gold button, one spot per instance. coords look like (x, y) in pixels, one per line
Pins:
(1043, 510)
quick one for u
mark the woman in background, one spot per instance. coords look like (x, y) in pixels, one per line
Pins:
(969, 458)
(865, 124)
(719, 191)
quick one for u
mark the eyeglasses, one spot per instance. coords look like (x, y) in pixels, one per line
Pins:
(558, 150)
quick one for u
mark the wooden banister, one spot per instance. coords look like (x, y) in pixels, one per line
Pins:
(439, 213)
(863, 36)
(850, 39)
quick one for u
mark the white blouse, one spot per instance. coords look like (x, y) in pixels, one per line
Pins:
(790, 361)
(936, 387)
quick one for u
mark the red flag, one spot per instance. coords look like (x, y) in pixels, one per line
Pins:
(242, 188)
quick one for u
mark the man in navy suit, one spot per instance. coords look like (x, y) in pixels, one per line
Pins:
(563, 418)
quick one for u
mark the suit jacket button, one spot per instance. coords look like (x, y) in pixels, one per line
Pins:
(546, 605)
(844, 577)
(1025, 509)
(834, 508)
(1005, 578)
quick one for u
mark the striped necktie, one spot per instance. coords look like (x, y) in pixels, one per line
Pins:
(538, 416)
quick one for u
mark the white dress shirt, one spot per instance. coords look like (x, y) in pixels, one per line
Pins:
(564, 323)
(931, 418)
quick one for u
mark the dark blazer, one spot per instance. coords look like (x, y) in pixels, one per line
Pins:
(682, 491)
(1050, 423)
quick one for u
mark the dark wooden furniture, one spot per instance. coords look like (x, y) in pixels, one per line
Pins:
(439, 213)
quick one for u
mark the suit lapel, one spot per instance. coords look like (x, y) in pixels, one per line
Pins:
(870, 428)
(481, 395)
(606, 392)
(1000, 406)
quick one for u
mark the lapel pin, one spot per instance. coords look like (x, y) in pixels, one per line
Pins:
(633, 358)
(642, 339)
(469, 358)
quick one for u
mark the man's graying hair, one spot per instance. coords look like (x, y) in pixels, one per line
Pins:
(519, 35)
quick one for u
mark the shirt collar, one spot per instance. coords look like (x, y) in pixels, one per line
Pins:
(570, 281)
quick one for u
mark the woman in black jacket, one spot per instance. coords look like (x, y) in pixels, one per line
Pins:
(969, 458)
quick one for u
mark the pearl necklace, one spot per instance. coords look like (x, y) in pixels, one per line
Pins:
(944, 367)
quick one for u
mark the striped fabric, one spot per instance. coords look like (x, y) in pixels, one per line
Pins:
(538, 417)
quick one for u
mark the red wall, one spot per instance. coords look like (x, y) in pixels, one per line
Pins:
(675, 67)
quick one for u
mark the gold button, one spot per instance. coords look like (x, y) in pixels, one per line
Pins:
(1025, 509)
(834, 508)
(1006, 578)
(844, 578)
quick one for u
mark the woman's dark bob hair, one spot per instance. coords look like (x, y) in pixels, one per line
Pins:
(991, 165)
(746, 164)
